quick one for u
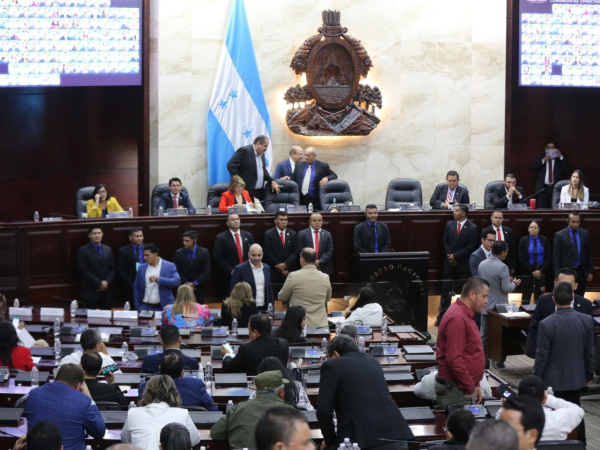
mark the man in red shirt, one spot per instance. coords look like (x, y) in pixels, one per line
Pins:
(459, 351)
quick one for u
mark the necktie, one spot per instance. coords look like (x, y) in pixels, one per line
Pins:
(458, 229)
(175, 202)
(138, 253)
(449, 198)
(317, 242)
(98, 249)
(550, 174)
(306, 181)
(282, 238)
(238, 244)
(190, 254)
(575, 249)
(499, 234)
(374, 226)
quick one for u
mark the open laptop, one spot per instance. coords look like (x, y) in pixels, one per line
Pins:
(11, 416)
(418, 414)
(205, 417)
(231, 379)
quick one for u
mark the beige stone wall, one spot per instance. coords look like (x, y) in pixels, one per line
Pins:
(440, 66)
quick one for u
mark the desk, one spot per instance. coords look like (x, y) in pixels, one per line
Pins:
(504, 338)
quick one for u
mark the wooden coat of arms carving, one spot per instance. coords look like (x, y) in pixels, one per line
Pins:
(333, 102)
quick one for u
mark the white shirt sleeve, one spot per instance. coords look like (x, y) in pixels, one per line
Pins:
(194, 433)
(125, 435)
(560, 422)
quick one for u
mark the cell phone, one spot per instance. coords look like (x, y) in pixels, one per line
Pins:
(505, 391)
(110, 369)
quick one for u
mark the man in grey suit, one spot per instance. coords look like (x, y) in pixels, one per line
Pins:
(483, 252)
(495, 272)
(564, 358)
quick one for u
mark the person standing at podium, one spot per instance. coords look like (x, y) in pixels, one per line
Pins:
(129, 260)
(372, 236)
(97, 271)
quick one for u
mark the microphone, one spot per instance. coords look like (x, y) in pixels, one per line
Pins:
(531, 196)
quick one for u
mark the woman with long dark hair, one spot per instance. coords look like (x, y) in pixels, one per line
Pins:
(12, 354)
(101, 203)
(366, 310)
(292, 325)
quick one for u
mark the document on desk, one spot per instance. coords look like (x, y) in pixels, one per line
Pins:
(516, 314)
(25, 337)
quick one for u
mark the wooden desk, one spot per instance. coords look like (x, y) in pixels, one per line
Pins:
(504, 337)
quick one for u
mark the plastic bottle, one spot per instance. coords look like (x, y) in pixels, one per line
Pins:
(16, 303)
(57, 348)
(234, 326)
(361, 344)
(200, 374)
(208, 375)
(347, 443)
(310, 208)
(229, 405)
(161, 212)
(56, 327)
(130, 212)
(124, 352)
(73, 308)
(550, 390)
(202, 448)
(209, 210)
(324, 346)
(127, 306)
(270, 310)
(384, 323)
(335, 425)
(36, 216)
(88, 447)
(338, 328)
(355, 446)
(35, 377)
(131, 405)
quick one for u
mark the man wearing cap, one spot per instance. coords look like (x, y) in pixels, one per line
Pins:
(239, 424)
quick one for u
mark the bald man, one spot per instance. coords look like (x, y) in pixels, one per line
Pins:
(285, 169)
(257, 275)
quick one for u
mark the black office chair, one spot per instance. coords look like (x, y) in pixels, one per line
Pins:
(488, 196)
(289, 195)
(157, 192)
(81, 198)
(403, 190)
(561, 445)
(334, 189)
(214, 196)
(556, 192)
(22, 402)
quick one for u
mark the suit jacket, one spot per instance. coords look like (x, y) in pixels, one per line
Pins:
(441, 193)
(250, 355)
(226, 255)
(127, 264)
(475, 259)
(192, 392)
(561, 170)
(243, 272)
(564, 358)
(495, 272)
(195, 271)
(167, 280)
(228, 199)
(283, 169)
(361, 400)
(95, 212)
(511, 259)
(105, 392)
(51, 402)
(364, 238)
(501, 200)
(460, 246)
(166, 201)
(325, 247)
(563, 253)
(523, 255)
(276, 253)
(93, 269)
(322, 170)
(151, 362)
(545, 307)
(243, 163)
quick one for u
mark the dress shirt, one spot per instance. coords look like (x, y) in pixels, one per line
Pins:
(452, 193)
(259, 282)
(462, 225)
(97, 248)
(488, 255)
(576, 232)
(552, 163)
(496, 232)
(293, 164)
(75, 358)
(311, 185)
(152, 294)
(312, 234)
(510, 200)
(260, 175)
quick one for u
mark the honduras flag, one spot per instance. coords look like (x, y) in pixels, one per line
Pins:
(238, 111)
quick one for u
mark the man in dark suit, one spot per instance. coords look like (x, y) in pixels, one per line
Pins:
(315, 237)
(170, 339)
(97, 271)
(564, 358)
(91, 363)
(231, 248)
(310, 175)
(175, 198)
(508, 194)
(573, 248)
(281, 249)
(545, 307)
(249, 163)
(262, 344)
(550, 170)
(154, 282)
(372, 236)
(503, 233)
(460, 240)
(483, 252)
(444, 197)
(360, 399)
(285, 169)
(257, 275)
(129, 259)
(193, 264)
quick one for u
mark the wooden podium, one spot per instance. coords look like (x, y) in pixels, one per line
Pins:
(399, 281)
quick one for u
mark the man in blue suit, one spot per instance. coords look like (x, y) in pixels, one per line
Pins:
(170, 339)
(66, 402)
(285, 169)
(154, 283)
(176, 198)
(257, 275)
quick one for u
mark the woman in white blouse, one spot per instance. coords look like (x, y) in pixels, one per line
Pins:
(365, 311)
(575, 191)
(160, 405)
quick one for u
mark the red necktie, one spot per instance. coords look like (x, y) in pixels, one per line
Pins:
(238, 244)
(449, 197)
(317, 242)
(550, 174)
(175, 202)
(282, 238)
(458, 229)
(499, 234)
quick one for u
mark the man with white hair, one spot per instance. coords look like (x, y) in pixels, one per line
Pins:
(310, 175)
(257, 275)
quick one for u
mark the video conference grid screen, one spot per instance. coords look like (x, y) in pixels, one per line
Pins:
(70, 43)
(559, 43)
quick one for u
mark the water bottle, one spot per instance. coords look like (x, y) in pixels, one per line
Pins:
(335, 425)
(161, 212)
(208, 376)
(384, 324)
(16, 303)
(35, 377)
(88, 447)
(130, 212)
(234, 326)
(36, 216)
(127, 306)
(270, 310)
(355, 446)
(347, 443)
(56, 327)
(124, 351)
(310, 208)
(209, 210)
(361, 344)
(324, 346)
(202, 448)
(200, 374)
(550, 390)
(74, 306)
(338, 328)
(57, 349)
(229, 406)
(131, 405)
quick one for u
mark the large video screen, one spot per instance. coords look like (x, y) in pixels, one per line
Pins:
(70, 43)
(559, 43)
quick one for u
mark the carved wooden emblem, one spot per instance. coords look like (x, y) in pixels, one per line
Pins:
(333, 102)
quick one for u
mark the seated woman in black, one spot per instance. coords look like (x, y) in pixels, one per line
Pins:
(292, 325)
(239, 305)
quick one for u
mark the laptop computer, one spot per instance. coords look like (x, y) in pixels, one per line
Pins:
(205, 417)
(129, 378)
(114, 418)
(72, 329)
(401, 329)
(214, 332)
(24, 378)
(418, 414)
(418, 350)
(231, 379)
(142, 332)
(305, 352)
(42, 351)
(320, 331)
(420, 358)
(11, 416)
(311, 416)
(384, 350)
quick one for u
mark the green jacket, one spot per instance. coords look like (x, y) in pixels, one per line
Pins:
(238, 425)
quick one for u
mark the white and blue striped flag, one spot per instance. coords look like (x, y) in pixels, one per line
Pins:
(238, 111)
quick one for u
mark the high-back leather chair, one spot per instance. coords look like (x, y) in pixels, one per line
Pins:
(213, 197)
(488, 196)
(81, 198)
(556, 192)
(403, 190)
(157, 192)
(338, 189)
(289, 194)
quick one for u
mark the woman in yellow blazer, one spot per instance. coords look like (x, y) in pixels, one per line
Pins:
(101, 203)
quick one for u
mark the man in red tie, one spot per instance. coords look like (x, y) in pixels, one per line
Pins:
(503, 233)
(315, 237)
(231, 248)
(176, 197)
(281, 248)
(551, 167)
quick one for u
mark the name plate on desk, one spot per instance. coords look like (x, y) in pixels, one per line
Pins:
(348, 208)
(52, 312)
(127, 315)
(296, 209)
(176, 212)
(238, 209)
(518, 207)
(99, 313)
(19, 312)
(118, 214)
